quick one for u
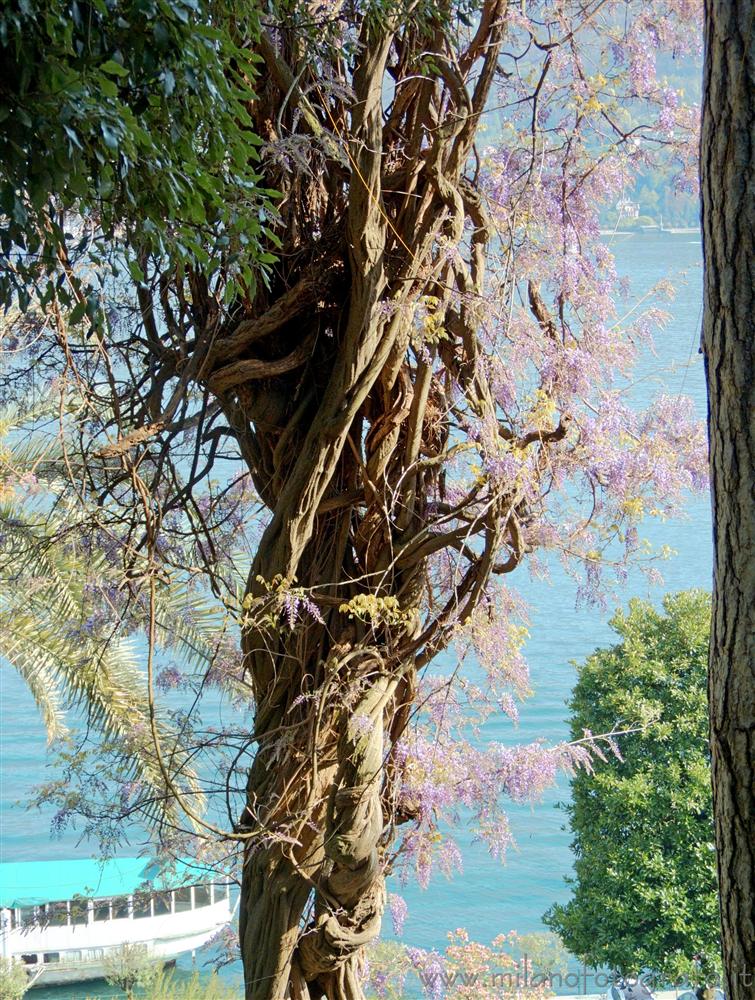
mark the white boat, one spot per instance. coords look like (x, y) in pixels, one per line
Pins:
(62, 919)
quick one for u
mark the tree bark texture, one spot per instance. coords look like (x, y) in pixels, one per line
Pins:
(344, 457)
(728, 215)
(345, 440)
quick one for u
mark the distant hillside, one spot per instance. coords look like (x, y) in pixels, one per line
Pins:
(655, 192)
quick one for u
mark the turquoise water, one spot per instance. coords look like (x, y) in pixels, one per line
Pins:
(489, 898)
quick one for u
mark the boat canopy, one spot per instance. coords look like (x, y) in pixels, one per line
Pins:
(32, 883)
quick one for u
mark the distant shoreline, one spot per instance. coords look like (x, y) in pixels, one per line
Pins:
(643, 230)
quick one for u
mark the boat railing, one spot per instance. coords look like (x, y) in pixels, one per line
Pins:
(133, 906)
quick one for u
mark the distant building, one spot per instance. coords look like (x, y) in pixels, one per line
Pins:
(627, 209)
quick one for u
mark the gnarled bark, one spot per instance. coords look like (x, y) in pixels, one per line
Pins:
(313, 895)
(728, 212)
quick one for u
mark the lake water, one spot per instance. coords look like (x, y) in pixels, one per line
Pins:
(490, 898)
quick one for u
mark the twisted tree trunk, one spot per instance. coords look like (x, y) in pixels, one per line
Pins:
(349, 382)
(728, 212)
(345, 458)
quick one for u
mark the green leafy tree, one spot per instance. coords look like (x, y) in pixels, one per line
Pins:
(546, 955)
(644, 891)
(132, 967)
(132, 113)
(13, 980)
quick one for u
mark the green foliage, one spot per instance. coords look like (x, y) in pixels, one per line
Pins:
(133, 112)
(131, 966)
(389, 964)
(546, 955)
(13, 980)
(644, 894)
(169, 985)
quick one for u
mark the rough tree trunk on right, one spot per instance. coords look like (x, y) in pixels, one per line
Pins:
(728, 210)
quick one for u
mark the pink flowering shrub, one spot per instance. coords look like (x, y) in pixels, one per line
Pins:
(466, 970)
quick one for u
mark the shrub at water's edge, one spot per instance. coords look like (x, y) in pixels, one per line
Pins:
(13, 980)
(142, 977)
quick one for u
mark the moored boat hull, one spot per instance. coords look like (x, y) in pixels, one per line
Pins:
(63, 973)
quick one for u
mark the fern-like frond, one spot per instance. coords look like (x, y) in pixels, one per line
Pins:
(104, 681)
(43, 635)
(69, 622)
(43, 687)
